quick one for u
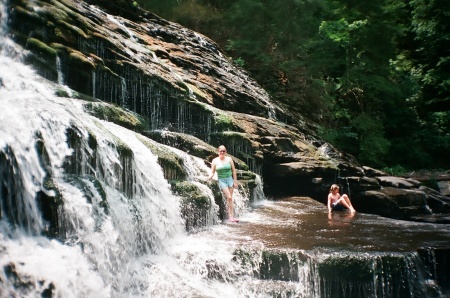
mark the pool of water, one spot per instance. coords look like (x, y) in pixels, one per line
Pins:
(305, 224)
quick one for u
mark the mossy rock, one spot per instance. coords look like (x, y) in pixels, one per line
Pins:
(278, 265)
(187, 143)
(196, 91)
(190, 193)
(195, 205)
(40, 47)
(92, 141)
(246, 175)
(248, 259)
(192, 145)
(123, 149)
(225, 122)
(65, 35)
(61, 91)
(247, 178)
(74, 29)
(49, 200)
(117, 115)
(78, 59)
(172, 165)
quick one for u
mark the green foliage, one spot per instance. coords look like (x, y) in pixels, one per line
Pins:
(224, 122)
(340, 31)
(360, 77)
(396, 170)
(431, 58)
(373, 146)
(374, 75)
(239, 62)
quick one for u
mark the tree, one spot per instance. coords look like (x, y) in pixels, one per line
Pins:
(431, 58)
(429, 66)
(373, 74)
(272, 38)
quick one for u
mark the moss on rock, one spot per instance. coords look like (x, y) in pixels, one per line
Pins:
(79, 58)
(224, 122)
(74, 29)
(171, 164)
(40, 47)
(190, 193)
(116, 115)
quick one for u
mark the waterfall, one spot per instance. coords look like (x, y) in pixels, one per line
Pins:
(126, 246)
(197, 172)
(29, 107)
(86, 210)
(60, 72)
(111, 236)
(258, 192)
(122, 26)
(123, 97)
(94, 83)
(106, 248)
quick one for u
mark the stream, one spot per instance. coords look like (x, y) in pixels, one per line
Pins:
(292, 247)
(304, 224)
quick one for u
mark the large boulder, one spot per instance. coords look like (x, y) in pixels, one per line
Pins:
(392, 202)
(400, 198)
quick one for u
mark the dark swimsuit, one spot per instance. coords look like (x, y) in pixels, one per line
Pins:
(337, 207)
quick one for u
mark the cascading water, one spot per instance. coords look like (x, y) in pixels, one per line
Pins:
(112, 227)
(104, 242)
(51, 265)
(126, 246)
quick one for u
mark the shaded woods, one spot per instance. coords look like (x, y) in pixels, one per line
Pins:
(373, 77)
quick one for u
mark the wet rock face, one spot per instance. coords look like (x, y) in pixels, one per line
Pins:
(179, 80)
(104, 42)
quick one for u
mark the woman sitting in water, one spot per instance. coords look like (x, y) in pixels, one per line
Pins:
(336, 202)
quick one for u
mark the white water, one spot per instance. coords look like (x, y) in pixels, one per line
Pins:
(139, 248)
(136, 249)
(28, 106)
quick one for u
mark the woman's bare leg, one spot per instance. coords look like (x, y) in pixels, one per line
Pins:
(228, 192)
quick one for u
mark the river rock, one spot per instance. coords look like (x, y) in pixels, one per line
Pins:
(398, 182)
(392, 202)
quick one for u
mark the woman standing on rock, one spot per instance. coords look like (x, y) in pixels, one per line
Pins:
(226, 172)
